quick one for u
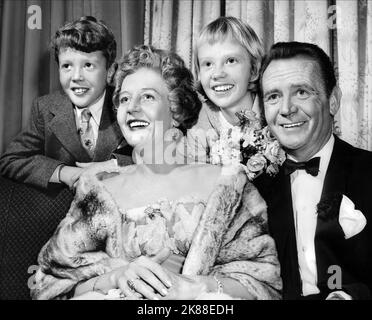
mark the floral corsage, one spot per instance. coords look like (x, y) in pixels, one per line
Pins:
(248, 144)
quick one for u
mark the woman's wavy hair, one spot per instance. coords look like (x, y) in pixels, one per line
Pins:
(223, 28)
(185, 104)
(86, 34)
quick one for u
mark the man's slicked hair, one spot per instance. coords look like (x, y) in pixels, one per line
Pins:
(288, 50)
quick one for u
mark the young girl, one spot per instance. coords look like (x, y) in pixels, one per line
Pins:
(228, 56)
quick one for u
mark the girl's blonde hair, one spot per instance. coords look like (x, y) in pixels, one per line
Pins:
(224, 27)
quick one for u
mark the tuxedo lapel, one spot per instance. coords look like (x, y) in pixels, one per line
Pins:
(328, 233)
(329, 237)
(63, 126)
(281, 223)
(109, 136)
(335, 179)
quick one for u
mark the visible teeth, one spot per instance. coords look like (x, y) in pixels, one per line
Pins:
(292, 125)
(222, 87)
(79, 90)
(142, 124)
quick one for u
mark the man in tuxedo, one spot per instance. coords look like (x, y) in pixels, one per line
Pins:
(320, 203)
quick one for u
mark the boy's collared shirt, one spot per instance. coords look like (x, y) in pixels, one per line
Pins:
(95, 120)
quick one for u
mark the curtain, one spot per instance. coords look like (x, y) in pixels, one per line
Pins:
(342, 28)
(28, 69)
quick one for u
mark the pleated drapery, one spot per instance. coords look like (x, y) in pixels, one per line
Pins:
(342, 28)
(28, 70)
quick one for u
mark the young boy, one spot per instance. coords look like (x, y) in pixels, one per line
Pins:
(77, 126)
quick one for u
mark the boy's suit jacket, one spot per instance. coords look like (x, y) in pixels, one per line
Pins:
(349, 173)
(51, 139)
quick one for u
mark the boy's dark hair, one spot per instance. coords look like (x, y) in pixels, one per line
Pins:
(287, 50)
(86, 34)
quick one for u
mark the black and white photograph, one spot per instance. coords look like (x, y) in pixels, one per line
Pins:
(204, 151)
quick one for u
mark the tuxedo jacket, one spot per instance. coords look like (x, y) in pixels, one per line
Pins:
(349, 173)
(51, 138)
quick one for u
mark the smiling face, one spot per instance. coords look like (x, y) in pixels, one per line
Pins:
(144, 106)
(297, 109)
(82, 76)
(225, 71)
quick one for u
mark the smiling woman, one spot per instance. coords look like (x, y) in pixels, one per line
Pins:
(143, 103)
(157, 230)
(155, 101)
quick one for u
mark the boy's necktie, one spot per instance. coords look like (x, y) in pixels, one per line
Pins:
(86, 132)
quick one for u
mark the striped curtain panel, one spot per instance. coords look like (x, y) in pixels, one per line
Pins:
(342, 28)
(28, 69)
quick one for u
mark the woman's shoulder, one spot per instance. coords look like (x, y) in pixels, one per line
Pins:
(201, 170)
(206, 170)
(94, 190)
(210, 176)
(112, 181)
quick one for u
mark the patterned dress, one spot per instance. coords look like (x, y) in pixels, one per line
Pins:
(227, 235)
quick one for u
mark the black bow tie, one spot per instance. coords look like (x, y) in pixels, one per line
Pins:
(311, 166)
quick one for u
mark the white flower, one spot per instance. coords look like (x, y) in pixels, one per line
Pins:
(236, 135)
(249, 138)
(250, 143)
(256, 163)
(272, 150)
(236, 155)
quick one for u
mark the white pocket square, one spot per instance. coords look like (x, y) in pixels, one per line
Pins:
(352, 221)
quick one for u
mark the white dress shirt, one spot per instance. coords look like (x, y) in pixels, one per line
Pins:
(95, 119)
(306, 192)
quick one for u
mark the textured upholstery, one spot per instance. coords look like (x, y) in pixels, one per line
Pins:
(28, 217)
